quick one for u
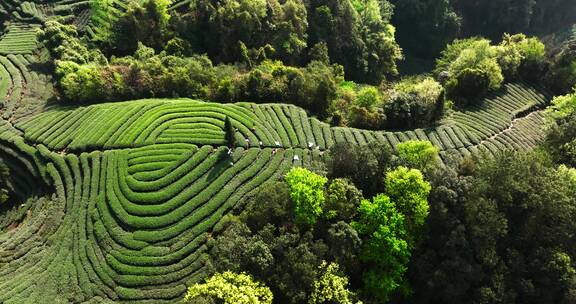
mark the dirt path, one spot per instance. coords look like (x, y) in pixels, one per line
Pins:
(510, 127)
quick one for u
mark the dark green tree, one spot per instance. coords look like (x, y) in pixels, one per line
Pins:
(229, 30)
(4, 182)
(365, 166)
(502, 235)
(492, 18)
(230, 133)
(562, 75)
(146, 23)
(358, 35)
(425, 27)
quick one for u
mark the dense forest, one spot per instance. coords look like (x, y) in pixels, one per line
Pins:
(288, 151)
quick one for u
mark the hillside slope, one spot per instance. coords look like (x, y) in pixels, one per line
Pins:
(138, 186)
(118, 200)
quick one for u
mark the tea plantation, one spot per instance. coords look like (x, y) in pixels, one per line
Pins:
(119, 199)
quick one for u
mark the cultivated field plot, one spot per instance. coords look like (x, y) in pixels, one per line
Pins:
(148, 122)
(19, 39)
(23, 90)
(37, 11)
(127, 224)
(140, 185)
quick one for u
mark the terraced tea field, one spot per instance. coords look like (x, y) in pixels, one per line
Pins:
(19, 39)
(139, 185)
(119, 199)
(23, 91)
(37, 11)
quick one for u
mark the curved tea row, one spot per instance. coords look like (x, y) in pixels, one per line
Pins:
(23, 91)
(149, 122)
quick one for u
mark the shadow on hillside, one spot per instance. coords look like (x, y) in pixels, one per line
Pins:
(224, 161)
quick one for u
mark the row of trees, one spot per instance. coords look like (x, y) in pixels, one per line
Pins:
(356, 34)
(412, 102)
(162, 61)
(85, 75)
(426, 27)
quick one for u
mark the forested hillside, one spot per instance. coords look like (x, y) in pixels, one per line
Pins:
(287, 151)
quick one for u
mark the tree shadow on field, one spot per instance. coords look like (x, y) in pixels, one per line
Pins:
(223, 163)
(24, 188)
(482, 103)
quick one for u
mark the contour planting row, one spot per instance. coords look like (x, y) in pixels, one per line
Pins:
(19, 39)
(148, 122)
(27, 226)
(22, 91)
(13, 87)
(131, 224)
(29, 11)
(99, 22)
(66, 10)
(495, 113)
(38, 11)
(62, 260)
(523, 134)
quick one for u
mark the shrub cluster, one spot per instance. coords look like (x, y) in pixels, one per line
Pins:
(472, 67)
(412, 102)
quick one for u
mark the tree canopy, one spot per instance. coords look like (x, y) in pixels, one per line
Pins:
(307, 193)
(230, 288)
(421, 155)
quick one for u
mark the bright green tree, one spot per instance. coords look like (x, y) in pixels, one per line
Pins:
(479, 55)
(561, 141)
(385, 250)
(418, 154)
(368, 97)
(563, 106)
(230, 288)
(519, 55)
(331, 287)
(307, 194)
(409, 191)
(81, 82)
